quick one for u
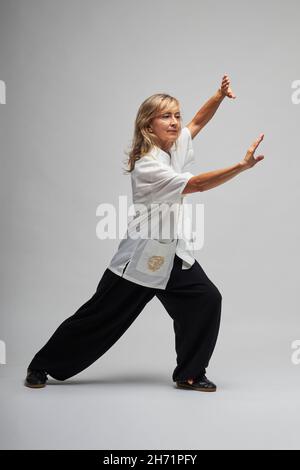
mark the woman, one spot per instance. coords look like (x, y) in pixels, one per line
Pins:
(146, 266)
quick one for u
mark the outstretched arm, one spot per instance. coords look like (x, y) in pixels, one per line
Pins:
(207, 111)
(206, 181)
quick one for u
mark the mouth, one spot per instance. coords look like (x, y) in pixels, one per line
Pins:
(172, 131)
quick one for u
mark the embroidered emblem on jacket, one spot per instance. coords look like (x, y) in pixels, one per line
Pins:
(155, 262)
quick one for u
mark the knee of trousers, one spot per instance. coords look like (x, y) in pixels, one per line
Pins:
(214, 295)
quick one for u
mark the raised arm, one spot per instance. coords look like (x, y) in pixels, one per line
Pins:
(207, 111)
(210, 180)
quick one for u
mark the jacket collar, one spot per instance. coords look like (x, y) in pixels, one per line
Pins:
(161, 154)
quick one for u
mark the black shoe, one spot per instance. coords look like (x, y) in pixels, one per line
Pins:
(202, 385)
(36, 378)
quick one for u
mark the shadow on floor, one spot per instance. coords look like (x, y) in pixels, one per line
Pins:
(125, 379)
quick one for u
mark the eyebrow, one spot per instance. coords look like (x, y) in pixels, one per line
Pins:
(167, 112)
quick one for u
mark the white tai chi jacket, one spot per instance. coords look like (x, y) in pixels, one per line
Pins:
(161, 226)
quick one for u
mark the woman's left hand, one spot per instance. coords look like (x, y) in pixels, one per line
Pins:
(225, 87)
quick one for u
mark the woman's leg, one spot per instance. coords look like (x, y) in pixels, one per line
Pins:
(194, 304)
(85, 336)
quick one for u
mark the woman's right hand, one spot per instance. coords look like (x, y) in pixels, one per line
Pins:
(249, 159)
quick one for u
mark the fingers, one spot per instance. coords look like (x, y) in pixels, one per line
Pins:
(225, 81)
(226, 87)
(256, 142)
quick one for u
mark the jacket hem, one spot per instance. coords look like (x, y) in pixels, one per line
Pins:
(129, 278)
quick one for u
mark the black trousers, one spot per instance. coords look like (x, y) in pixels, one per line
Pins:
(190, 298)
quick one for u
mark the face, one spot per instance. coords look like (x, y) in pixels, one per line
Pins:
(166, 126)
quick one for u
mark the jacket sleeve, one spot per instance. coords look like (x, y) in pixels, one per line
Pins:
(186, 150)
(157, 181)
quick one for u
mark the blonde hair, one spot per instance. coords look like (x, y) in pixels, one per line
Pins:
(143, 140)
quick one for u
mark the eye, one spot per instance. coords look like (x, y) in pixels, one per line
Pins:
(167, 115)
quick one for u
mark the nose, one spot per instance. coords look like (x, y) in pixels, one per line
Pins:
(174, 122)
